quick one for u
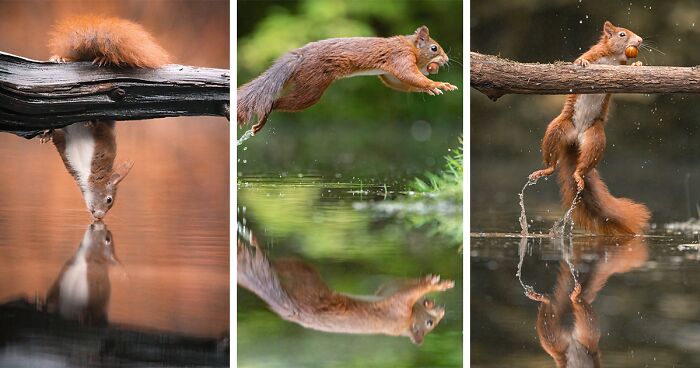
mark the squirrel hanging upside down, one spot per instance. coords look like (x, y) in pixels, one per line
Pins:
(88, 150)
(575, 141)
(401, 62)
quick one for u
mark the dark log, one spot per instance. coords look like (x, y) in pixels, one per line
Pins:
(36, 96)
(495, 77)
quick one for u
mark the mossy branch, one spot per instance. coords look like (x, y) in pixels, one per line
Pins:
(495, 77)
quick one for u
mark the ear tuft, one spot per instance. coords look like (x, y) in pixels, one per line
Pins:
(608, 28)
(422, 35)
(120, 172)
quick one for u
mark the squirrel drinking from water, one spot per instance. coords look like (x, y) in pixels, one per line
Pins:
(88, 149)
(296, 292)
(401, 62)
(575, 141)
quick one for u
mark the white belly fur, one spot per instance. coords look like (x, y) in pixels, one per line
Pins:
(80, 147)
(366, 72)
(73, 288)
(586, 109)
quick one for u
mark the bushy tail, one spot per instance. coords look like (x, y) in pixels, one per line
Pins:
(256, 97)
(598, 211)
(257, 275)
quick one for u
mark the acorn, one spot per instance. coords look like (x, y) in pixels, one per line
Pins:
(433, 68)
(631, 52)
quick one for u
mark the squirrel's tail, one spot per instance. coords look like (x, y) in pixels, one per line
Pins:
(256, 97)
(256, 274)
(598, 210)
(104, 41)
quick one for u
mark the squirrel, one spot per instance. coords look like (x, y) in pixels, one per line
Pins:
(576, 345)
(82, 289)
(88, 149)
(295, 291)
(401, 62)
(575, 141)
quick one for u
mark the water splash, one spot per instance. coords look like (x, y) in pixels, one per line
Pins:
(246, 136)
(523, 217)
(522, 250)
(567, 250)
(559, 228)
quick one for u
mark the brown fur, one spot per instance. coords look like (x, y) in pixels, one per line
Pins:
(296, 292)
(578, 153)
(104, 41)
(305, 73)
(104, 177)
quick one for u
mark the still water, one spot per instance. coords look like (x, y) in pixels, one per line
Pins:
(158, 264)
(328, 226)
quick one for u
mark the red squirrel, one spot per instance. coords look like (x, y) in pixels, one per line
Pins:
(401, 62)
(88, 149)
(295, 291)
(82, 289)
(575, 141)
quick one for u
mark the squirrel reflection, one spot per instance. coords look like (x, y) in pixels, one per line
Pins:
(82, 288)
(296, 292)
(576, 345)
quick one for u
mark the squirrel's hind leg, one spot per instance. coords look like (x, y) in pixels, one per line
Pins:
(591, 148)
(553, 139)
(300, 98)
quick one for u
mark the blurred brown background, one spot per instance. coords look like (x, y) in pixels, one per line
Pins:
(171, 218)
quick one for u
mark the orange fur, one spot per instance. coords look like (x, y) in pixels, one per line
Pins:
(105, 40)
(575, 141)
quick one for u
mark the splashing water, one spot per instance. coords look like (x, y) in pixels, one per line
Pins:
(567, 251)
(245, 136)
(559, 227)
(523, 218)
(522, 250)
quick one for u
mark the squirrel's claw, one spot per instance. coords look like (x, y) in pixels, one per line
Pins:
(59, 59)
(45, 136)
(574, 296)
(582, 62)
(637, 63)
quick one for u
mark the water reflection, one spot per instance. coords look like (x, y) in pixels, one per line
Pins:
(82, 289)
(567, 324)
(293, 289)
(88, 151)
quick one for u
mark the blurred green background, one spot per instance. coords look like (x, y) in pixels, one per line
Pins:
(360, 127)
(652, 148)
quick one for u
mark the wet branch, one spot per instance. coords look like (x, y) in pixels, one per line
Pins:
(495, 77)
(37, 95)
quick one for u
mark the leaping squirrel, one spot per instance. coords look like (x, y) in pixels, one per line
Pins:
(401, 62)
(575, 141)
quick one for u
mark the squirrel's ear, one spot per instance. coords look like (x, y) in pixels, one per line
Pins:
(608, 28)
(120, 172)
(422, 35)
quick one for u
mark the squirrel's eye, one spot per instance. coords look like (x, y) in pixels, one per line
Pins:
(433, 48)
(429, 323)
(622, 34)
(109, 200)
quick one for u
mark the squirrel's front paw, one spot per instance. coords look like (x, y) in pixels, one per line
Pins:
(540, 173)
(582, 62)
(637, 63)
(45, 136)
(574, 296)
(437, 285)
(579, 182)
(59, 59)
(532, 294)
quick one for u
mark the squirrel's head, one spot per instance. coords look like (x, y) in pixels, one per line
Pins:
(100, 197)
(617, 39)
(99, 240)
(425, 316)
(428, 50)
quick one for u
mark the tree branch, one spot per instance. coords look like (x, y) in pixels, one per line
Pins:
(495, 77)
(36, 95)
